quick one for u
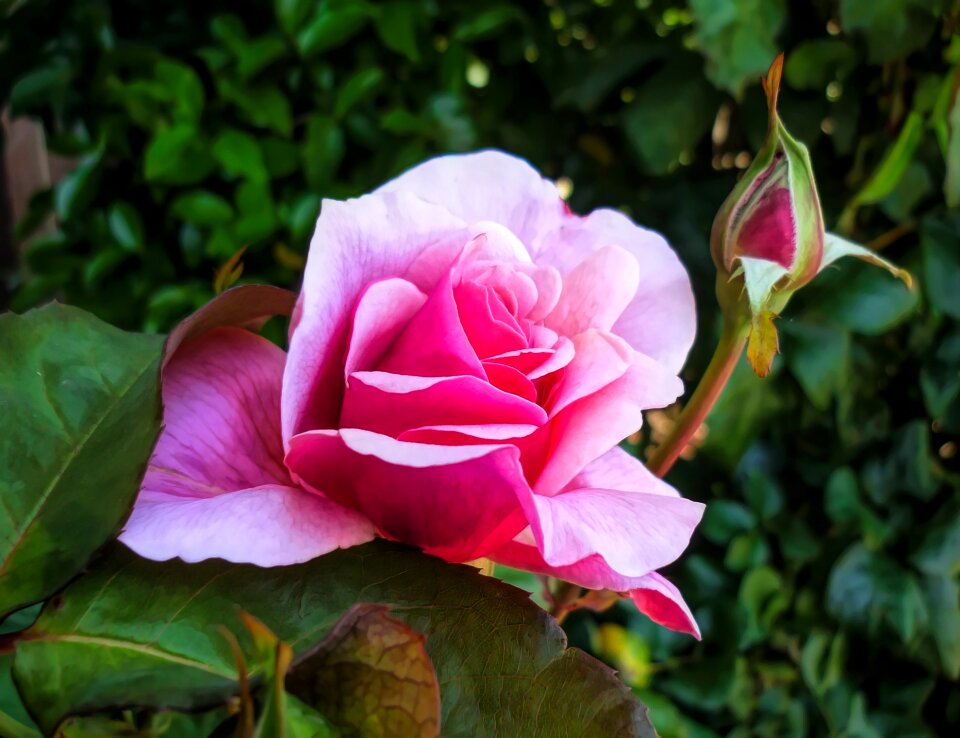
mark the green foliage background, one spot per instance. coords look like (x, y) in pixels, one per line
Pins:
(825, 575)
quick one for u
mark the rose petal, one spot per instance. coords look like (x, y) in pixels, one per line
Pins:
(457, 435)
(434, 343)
(221, 396)
(266, 526)
(660, 321)
(634, 532)
(653, 595)
(489, 327)
(617, 469)
(596, 292)
(392, 403)
(355, 243)
(598, 359)
(458, 503)
(384, 308)
(487, 186)
(591, 426)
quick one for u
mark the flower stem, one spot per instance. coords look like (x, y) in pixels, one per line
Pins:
(725, 358)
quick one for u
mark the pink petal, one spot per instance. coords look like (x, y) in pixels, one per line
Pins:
(434, 343)
(486, 322)
(355, 243)
(487, 186)
(598, 360)
(216, 485)
(618, 469)
(384, 308)
(653, 595)
(221, 396)
(458, 503)
(392, 403)
(596, 292)
(634, 532)
(661, 319)
(590, 427)
(510, 380)
(460, 435)
(266, 526)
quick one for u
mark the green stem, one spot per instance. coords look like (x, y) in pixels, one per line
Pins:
(725, 358)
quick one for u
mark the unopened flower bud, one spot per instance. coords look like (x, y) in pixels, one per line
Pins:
(768, 238)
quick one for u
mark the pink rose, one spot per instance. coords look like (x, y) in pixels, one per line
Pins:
(465, 356)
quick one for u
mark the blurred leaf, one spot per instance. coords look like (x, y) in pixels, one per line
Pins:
(334, 23)
(589, 86)
(725, 518)
(360, 86)
(45, 85)
(867, 588)
(941, 262)
(323, 151)
(185, 88)
(397, 23)
(80, 391)
(866, 300)
(368, 653)
(672, 111)
(737, 38)
(942, 597)
(126, 226)
(292, 13)
(259, 54)
(263, 106)
(841, 498)
(939, 552)
(281, 158)
(893, 28)
(764, 597)
(177, 155)
(819, 357)
(813, 64)
(487, 22)
(951, 185)
(202, 208)
(257, 214)
(228, 274)
(136, 648)
(894, 163)
(746, 402)
(239, 155)
(78, 188)
(764, 495)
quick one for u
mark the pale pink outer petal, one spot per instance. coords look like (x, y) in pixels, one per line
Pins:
(455, 502)
(588, 428)
(487, 186)
(492, 185)
(356, 242)
(654, 595)
(266, 526)
(385, 307)
(216, 486)
(634, 532)
(596, 292)
(617, 469)
(598, 360)
(661, 320)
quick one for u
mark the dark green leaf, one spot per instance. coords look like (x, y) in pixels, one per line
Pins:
(323, 151)
(723, 519)
(333, 24)
(893, 28)
(397, 24)
(202, 208)
(126, 226)
(738, 38)
(814, 64)
(74, 392)
(14, 720)
(369, 654)
(184, 87)
(942, 598)
(867, 300)
(486, 22)
(239, 155)
(177, 155)
(78, 188)
(671, 113)
(359, 87)
(139, 632)
(818, 356)
(941, 263)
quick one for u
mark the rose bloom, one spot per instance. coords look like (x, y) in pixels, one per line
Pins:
(465, 356)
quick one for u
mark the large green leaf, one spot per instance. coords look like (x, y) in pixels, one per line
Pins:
(80, 402)
(137, 632)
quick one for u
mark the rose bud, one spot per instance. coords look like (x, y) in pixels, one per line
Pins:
(768, 238)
